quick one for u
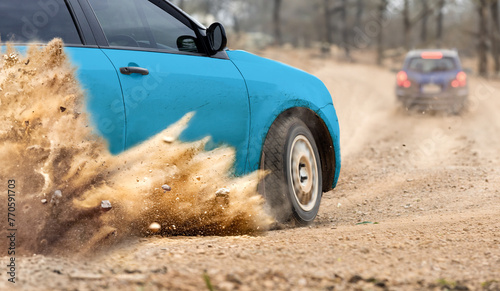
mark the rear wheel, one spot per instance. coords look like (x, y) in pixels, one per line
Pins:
(293, 187)
(458, 107)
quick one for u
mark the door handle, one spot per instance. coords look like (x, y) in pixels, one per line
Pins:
(134, 70)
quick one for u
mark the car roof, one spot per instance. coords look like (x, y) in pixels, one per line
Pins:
(445, 52)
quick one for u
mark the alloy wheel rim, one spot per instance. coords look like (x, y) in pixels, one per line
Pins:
(304, 173)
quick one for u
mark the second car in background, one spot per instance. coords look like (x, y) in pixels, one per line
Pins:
(432, 80)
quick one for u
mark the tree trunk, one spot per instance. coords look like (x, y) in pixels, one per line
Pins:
(345, 32)
(360, 8)
(483, 37)
(406, 24)
(495, 35)
(327, 38)
(440, 19)
(277, 22)
(380, 37)
(425, 18)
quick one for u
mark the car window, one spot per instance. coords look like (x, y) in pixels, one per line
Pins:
(142, 24)
(37, 21)
(421, 65)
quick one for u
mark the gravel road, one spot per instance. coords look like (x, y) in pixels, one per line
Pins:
(417, 208)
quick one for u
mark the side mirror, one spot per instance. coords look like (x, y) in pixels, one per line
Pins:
(217, 40)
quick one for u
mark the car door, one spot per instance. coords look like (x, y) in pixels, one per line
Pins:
(165, 73)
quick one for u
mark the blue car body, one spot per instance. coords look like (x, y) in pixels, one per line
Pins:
(236, 95)
(266, 89)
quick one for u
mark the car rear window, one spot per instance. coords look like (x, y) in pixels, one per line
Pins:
(421, 65)
(37, 21)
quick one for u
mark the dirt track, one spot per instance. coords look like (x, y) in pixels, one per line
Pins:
(429, 185)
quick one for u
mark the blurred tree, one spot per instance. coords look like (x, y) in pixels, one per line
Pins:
(358, 24)
(360, 9)
(277, 22)
(344, 28)
(406, 24)
(382, 8)
(495, 35)
(440, 19)
(425, 18)
(423, 10)
(327, 39)
(482, 9)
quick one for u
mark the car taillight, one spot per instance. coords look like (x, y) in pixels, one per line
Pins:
(460, 80)
(402, 79)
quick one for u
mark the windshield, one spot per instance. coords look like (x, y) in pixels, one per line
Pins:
(421, 65)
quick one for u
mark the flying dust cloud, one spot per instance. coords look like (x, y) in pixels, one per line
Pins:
(72, 194)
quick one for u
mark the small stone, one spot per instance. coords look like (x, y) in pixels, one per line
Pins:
(302, 282)
(355, 279)
(166, 188)
(85, 276)
(44, 201)
(62, 109)
(56, 197)
(162, 270)
(168, 139)
(198, 178)
(137, 278)
(234, 279)
(222, 192)
(154, 227)
(106, 205)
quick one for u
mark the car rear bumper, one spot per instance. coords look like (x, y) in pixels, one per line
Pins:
(440, 102)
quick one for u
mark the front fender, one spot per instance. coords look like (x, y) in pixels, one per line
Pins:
(274, 88)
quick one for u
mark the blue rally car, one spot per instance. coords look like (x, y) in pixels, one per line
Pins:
(432, 80)
(145, 64)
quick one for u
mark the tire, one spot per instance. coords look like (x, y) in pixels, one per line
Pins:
(293, 186)
(458, 107)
